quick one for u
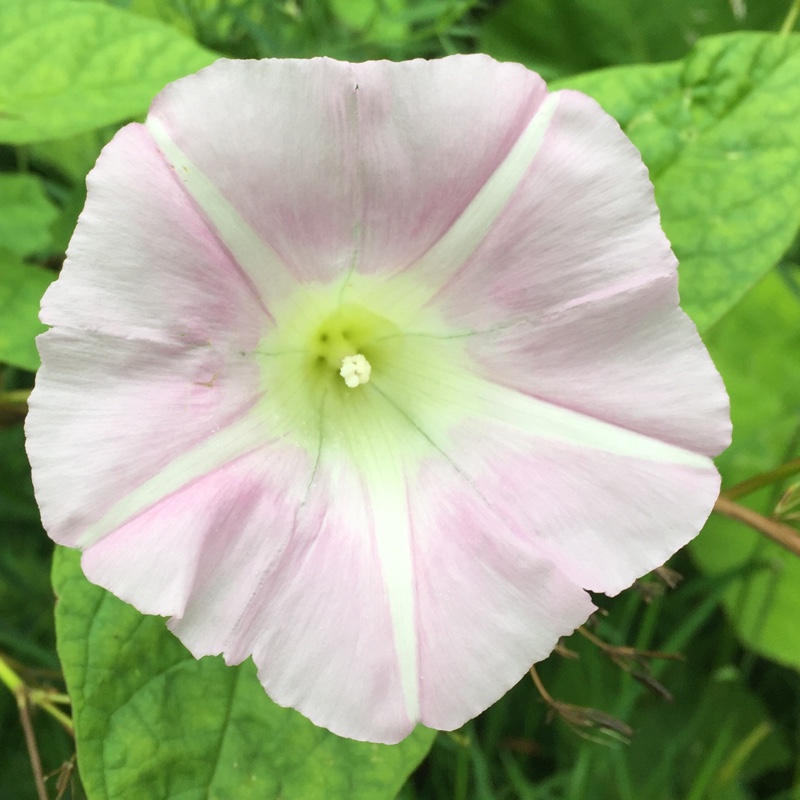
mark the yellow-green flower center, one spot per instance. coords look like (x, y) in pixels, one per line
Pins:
(357, 363)
(348, 332)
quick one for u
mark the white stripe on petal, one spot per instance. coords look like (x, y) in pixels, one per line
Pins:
(268, 274)
(550, 421)
(457, 393)
(467, 232)
(241, 437)
(386, 486)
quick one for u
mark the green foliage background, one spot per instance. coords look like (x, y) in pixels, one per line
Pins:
(709, 90)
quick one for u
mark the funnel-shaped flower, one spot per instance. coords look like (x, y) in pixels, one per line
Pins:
(369, 371)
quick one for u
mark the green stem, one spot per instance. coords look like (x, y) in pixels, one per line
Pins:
(37, 697)
(10, 678)
(732, 768)
(791, 19)
(58, 715)
(765, 478)
(14, 396)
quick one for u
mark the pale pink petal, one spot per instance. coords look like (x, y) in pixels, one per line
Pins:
(431, 134)
(108, 414)
(347, 165)
(633, 359)
(149, 356)
(605, 503)
(572, 295)
(323, 635)
(490, 602)
(257, 559)
(143, 263)
(211, 529)
(604, 518)
(303, 584)
(581, 224)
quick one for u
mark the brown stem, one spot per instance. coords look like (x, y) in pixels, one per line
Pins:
(33, 750)
(781, 534)
(546, 696)
(624, 651)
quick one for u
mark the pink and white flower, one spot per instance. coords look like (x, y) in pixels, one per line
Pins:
(369, 371)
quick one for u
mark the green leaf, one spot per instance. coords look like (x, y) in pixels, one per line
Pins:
(755, 349)
(152, 722)
(66, 67)
(382, 19)
(573, 36)
(73, 156)
(719, 132)
(21, 290)
(26, 214)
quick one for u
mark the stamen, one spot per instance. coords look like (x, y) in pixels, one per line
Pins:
(355, 370)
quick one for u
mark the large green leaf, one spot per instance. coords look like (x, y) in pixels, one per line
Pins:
(719, 132)
(26, 214)
(66, 68)
(152, 722)
(569, 36)
(756, 349)
(21, 290)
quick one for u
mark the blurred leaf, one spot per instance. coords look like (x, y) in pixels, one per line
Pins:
(66, 67)
(153, 722)
(26, 214)
(21, 290)
(169, 11)
(66, 163)
(570, 36)
(381, 19)
(73, 156)
(17, 507)
(719, 132)
(717, 732)
(756, 349)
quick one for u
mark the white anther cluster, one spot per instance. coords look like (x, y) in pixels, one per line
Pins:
(355, 370)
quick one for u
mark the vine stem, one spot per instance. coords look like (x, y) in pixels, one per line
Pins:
(791, 19)
(546, 696)
(15, 396)
(19, 690)
(38, 697)
(33, 750)
(781, 534)
(765, 478)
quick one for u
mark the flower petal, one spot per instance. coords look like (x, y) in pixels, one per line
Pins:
(606, 504)
(490, 602)
(168, 552)
(120, 412)
(143, 264)
(268, 566)
(633, 359)
(432, 135)
(369, 614)
(582, 223)
(258, 261)
(364, 166)
(604, 517)
(572, 295)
